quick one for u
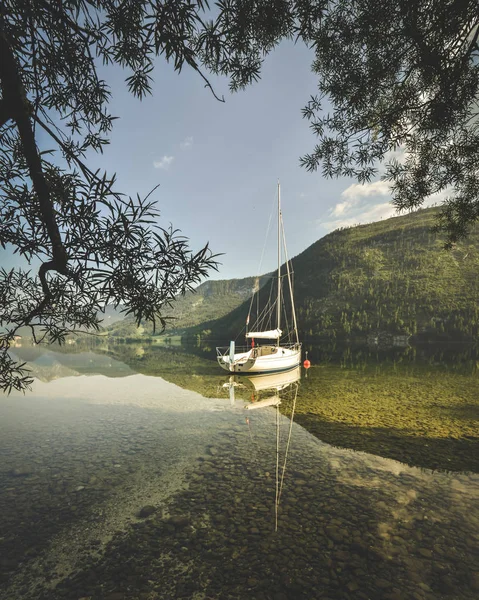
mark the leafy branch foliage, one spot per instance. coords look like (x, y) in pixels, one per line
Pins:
(401, 77)
(93, 245)
(404, 76)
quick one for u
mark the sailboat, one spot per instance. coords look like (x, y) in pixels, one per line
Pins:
(278, 349)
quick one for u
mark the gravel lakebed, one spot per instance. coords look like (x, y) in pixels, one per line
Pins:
(133, 488)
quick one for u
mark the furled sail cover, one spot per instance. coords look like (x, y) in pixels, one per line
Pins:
(273, 334)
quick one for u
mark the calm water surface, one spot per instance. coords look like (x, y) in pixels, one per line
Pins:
(136, 472)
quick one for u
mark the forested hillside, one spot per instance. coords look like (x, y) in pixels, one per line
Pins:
(392, 276)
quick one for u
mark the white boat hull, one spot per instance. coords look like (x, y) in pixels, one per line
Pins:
(263, 359)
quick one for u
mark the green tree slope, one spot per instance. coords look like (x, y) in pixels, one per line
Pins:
(392, 276)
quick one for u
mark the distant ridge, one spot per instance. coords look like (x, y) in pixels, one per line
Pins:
(211, 299)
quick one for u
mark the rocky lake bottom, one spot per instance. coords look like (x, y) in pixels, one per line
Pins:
(118, 488)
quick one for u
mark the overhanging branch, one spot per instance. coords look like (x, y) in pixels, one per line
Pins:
(15, 97)
(5, 112)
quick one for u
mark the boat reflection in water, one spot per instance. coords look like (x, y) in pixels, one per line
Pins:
(270, 390)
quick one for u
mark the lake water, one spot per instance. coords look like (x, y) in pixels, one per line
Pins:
(137, 472)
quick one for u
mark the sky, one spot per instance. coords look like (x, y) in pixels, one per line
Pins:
(217, 164)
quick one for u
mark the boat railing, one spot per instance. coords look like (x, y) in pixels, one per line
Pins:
(225, 350)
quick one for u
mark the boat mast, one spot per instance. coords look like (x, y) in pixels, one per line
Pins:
(278, 310)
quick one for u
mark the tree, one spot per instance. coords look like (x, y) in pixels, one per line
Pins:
(404, 76)
(95, 246)
(401, 75)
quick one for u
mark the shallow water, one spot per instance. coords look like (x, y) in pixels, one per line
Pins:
(82, 455)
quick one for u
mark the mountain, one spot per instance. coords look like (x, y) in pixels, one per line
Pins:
(389, 278)
(111, 315)
(211, 299)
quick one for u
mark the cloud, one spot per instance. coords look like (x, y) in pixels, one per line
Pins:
(437, 198)
(361, 203)
(365, 203)
(353, 203)
(353, 197)
(364, 190)
(399, 155)
(342, 207)
(164, 162)
(365, 214)
(187, 142)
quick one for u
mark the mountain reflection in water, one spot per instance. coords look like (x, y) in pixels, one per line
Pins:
(81, 456)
